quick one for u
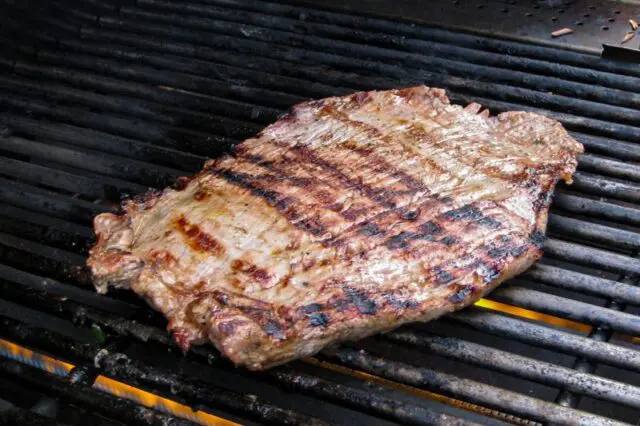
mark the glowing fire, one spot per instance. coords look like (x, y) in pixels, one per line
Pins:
(157, 402)
(111, 386)
(40, 361)
(537, 316)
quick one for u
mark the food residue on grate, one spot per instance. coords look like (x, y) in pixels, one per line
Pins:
(561, 32)
(628, 36)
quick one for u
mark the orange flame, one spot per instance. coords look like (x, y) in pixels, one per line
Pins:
(536, 316)
(113, 387)
(43, 362)
(158, 403)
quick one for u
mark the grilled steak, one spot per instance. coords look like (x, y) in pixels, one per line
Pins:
(349, 216)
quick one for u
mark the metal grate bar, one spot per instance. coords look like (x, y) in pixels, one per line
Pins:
(473, 391)
(508, 363)
(119, 366)
(601, 333)
(594, 232)
(315, 14)
(567, 308)
(45, 201)
(131, 170)
(84, 395)
(598, 209)
(584, 283)
(91, 139)
(590, 256)
(546, 337)
(321, 37)
(20, 416)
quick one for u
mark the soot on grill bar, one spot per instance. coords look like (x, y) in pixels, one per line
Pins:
(104, 100)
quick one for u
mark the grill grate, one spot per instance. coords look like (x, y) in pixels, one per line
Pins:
(105, 99)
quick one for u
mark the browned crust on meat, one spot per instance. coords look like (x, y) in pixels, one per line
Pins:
(348, 217)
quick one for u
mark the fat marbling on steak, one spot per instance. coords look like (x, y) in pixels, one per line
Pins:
(347, 217)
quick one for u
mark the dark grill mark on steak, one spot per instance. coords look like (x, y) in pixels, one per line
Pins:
(448, 240)
(181, 183)
(370, 229)
(399, 241)
(311, 225)
(259, 160)
(363, 305)
(309, 309)
(259, 274)
(284, 203)
(537, 238)
(461, 295)
(488, 272)
(466, 212)
(319, 319)
(428, 231)
(442, 276)
(543, 200)
(201, 195)
(352, 213)
(426, 237)
(273, 329)
(227, 327)
(515, 252)
(143, 201)
(497, 252)
(401, 304)
(431, 228)
(409, 214)
(506, 250)
(489, 222)
(377, 195)
(198, 239)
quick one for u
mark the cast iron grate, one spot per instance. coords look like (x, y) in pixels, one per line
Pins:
(104, 99)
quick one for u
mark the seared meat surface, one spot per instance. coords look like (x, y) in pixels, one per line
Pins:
(347, 217)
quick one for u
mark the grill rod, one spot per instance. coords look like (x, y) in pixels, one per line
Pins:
(399, 29)
(520, 366)
(412, 64)
(470, 390)
(163, 29)
(84, 395)
(368, 44)
(601, 333)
